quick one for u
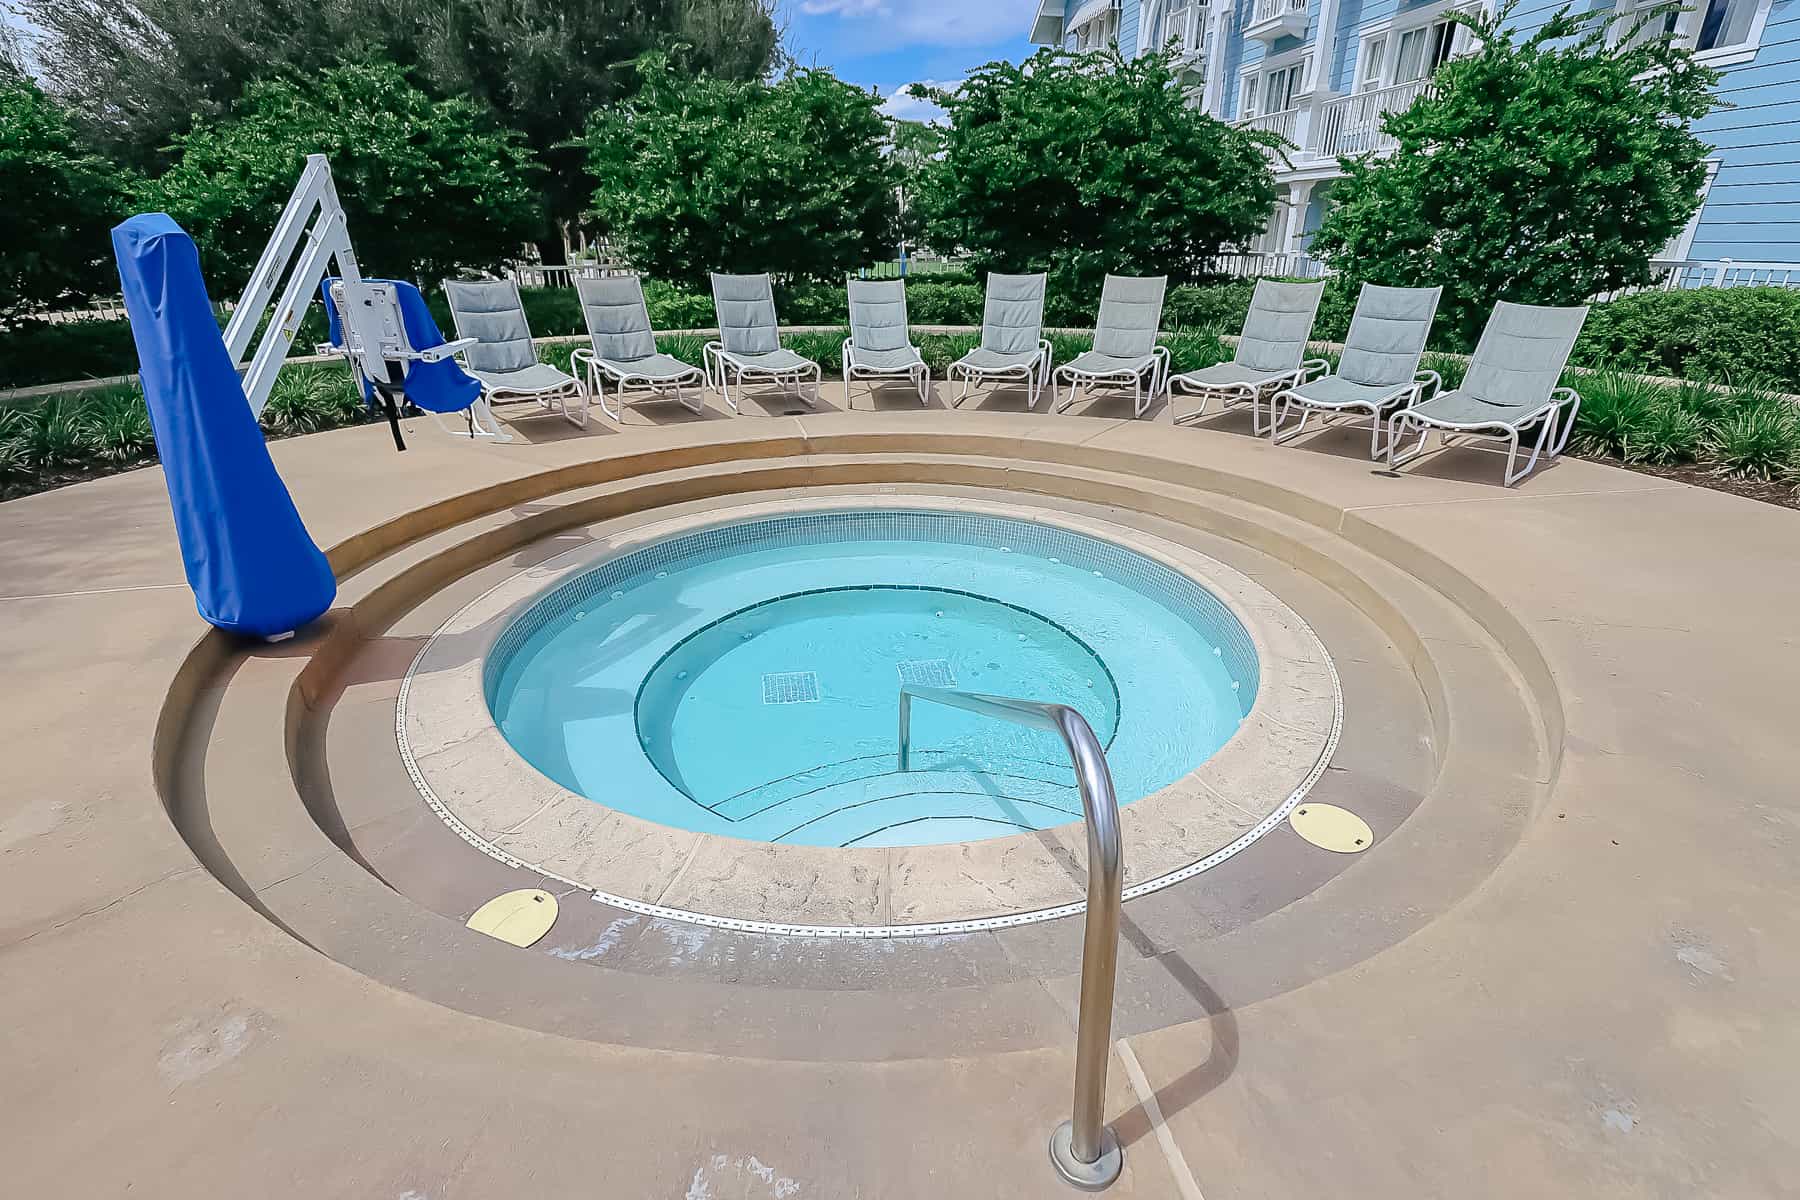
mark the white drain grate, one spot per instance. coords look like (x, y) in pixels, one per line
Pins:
(790, 687)
(927, 672)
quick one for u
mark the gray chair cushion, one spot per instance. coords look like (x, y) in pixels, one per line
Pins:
(877, 317)
(1224, 375)
(984, 359)
(538, 377)
(1460, 408)
(776, 360)
(618, 323)
(746, 308)
(902, 359)
(1130, 312)
(1387, 335)
(1277, 326)
(1334, 391)
(1096, 363)
(1012, 318)
(1522, 353)
(489, 311)
(651, 366)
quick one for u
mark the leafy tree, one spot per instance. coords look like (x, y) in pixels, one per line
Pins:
(913, 146)
(427, 185)
(1541, 170)
(1084, 164)
(140, 72)
(704, 174)
(57, 202)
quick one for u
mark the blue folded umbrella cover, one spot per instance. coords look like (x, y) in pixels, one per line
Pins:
(253, 567)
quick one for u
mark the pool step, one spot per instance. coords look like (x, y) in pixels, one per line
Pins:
(853, 809)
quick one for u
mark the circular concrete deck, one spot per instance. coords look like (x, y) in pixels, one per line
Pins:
(1557, 970)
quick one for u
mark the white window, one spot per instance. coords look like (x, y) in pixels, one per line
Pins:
(1371, 63)
(1721, 31)
(1247, 103)
(1726, 24)
(1423, 50)
(1282, 87)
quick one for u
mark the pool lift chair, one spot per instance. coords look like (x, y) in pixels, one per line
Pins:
(381, 332)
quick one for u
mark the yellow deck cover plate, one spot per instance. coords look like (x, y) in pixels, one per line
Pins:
(1331, 827)
(520, 917)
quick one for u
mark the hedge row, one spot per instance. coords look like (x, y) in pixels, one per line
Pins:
(1732, 334)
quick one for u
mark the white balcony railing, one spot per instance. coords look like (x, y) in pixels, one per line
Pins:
(1186, 29)
(1272, 19)
(1285, 124)
(1351, 125)
(1274, 10)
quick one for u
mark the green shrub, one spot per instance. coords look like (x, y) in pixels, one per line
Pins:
(115, 425)
(34, 352)
(1758, 438)
(1724, 333)
(672, 308)
(52, 438)
(826, 349)
(1193, 349)
(941, 302)
(307, 400)
(1450, 368)
(1616, 412)
(939, 350)
(690, 348)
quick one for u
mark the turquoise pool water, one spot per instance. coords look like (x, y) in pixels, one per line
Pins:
(744, 680)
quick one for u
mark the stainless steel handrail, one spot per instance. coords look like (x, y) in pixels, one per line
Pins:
(1084, 1149)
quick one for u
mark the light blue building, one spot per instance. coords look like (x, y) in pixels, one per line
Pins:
(1323, 72)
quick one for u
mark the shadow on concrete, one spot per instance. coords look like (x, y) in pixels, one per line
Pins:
(1191, 1085)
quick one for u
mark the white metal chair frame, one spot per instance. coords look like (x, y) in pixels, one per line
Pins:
(1377, 410)
(1035, 373)
(919, 374)
(1251, 392)
(1548, 446)
(719, 360)
(553, 398)
(1156, 363)
(596, 371)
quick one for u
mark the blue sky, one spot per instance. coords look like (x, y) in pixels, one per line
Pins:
(887, 44)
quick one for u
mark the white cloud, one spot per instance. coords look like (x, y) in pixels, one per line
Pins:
(907, 105)
(932, 22)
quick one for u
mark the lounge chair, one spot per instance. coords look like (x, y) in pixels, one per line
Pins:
(1378, 371)
(1013, 345)
(1271, 353)
(624, 349)
(503, 357)
(1511, 387)
(750, 342)
(1125, 348)
(879, 345)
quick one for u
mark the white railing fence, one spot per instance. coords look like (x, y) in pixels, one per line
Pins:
(1284, 124)
(1671, 276)
(1259, 264)
(1351, 125)
(1269, 10)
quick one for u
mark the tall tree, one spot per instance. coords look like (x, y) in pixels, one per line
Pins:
(1542, 169)
(139, 72)
(57, 200)
(428, 185)
(699, 174)
(1084, 164)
